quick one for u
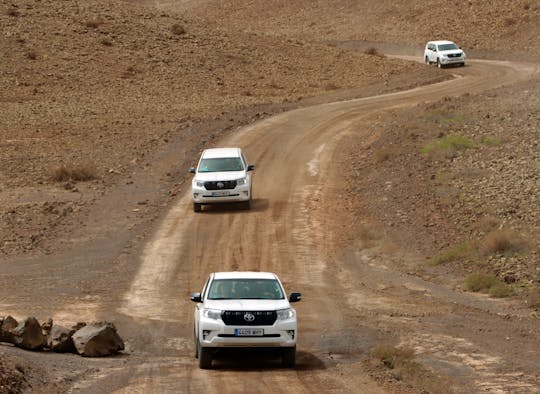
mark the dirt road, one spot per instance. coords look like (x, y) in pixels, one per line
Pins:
(351, 301)
(354, 298)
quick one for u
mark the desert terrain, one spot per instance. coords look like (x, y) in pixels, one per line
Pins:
(400, 199)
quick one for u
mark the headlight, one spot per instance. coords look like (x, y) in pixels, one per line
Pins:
(199, 183)
(285, 314)
(214, 314)
(241, 181)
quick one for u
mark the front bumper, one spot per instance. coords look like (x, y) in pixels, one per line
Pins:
(452, 60)
(214, 333)
(238, 194)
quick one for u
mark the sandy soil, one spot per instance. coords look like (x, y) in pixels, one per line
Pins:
(332, 214)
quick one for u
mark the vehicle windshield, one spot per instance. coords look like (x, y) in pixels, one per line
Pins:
(221, 164)
(447, 47)
(245, 289)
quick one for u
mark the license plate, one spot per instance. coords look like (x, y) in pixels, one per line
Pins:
(248, 332)
(220, 194)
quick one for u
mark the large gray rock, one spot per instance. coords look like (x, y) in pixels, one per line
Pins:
(28, 335)
(98, 339)
(8, 323)
(59, 339)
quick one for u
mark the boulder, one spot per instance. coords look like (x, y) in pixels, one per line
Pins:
(59, 339)
(97, 339)
(7, 324)
(46, 327)
(28, 335)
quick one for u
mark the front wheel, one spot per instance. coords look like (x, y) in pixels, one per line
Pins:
(205, 357)
(439, 64)
(427, 60)
(288, 357)
(197, 207)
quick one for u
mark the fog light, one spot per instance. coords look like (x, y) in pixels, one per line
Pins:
(291, 333)
(205, 333)
(195, 195)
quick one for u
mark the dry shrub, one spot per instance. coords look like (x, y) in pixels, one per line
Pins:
(487, 283)
(12, 12)
(457, 252)
(392, 356)
(32, 55)
(93, 23)
(106, 42)
(373, 52)
(503, 241)
(488, 223)
(65, 173)
(178, 29)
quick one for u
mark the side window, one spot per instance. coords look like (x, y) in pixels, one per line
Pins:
(244, 160)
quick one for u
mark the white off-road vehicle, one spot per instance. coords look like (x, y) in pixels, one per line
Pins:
(222, 175)
(244, 310)
(444, 53)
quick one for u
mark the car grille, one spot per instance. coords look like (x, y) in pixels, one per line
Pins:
(455, 55)
(219, 185)
(238, 318)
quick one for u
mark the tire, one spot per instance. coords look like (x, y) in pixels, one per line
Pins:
(462, 64)
(427, 60)
(288, 357)
(246, 205)
(197, 207)
(439, 64)
(205, 357)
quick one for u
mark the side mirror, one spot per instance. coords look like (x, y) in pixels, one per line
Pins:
(196, 297)
(295, 297)
(251, 167)
(192, 170)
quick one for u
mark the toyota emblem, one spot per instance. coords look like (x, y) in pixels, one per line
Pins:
(249, 317)
(220, 185)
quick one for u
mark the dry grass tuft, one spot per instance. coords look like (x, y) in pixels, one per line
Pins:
(106, 42)
(178, 29)
(454, 253)
(503, 241)
(65, 173)
(93, 23)
(12, 12)
(373, 52)
(32, 55)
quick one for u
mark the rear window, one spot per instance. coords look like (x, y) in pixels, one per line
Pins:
(221, 164)
(252, 289)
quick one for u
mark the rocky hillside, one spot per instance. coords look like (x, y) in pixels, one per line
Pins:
(499, 25)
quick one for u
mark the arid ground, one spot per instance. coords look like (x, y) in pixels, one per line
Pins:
(402, 200)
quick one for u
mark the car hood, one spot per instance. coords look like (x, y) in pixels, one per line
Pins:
(247, 305)
(219, 176)
(452, 52)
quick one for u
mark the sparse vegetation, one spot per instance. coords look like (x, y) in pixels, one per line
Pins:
(12, 12)
(491, 141)
(65, 173)
(454, 253)
(404, 367)
(503, 241)
(178, 29)
(373, 52)
(31, 54)
(448, 143)
(106, 42)
(93, 23)
(443, 117)
(487, 283)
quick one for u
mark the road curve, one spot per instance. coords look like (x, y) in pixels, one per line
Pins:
(293, 153)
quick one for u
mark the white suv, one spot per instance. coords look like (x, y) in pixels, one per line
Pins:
(222, 175)
(444, 53)
(243, 310)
